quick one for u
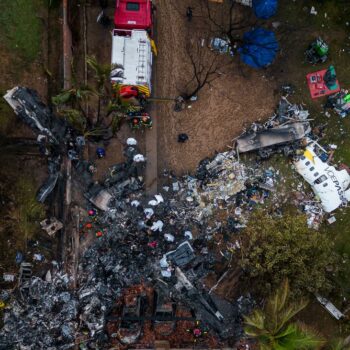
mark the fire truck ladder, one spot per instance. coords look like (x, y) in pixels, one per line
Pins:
(141, 66)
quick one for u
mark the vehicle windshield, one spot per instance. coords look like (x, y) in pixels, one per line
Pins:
(132, 6)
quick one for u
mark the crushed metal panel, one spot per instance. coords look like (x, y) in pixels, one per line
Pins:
(25, 275)
(182, 255)
(32, 111)
(273, 136)
(330, 307)
(99, 197)
(329, 184)
(47, 187)
(25, 272)
(51, 226)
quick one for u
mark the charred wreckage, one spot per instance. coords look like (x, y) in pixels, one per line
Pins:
(164, 243)
(144, 241)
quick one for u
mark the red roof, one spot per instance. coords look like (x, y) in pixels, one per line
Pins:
(133, 14)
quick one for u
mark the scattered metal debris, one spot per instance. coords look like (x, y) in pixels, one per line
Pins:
(51, 226)
(282, 132)
(152, 256)
(340, 102)
(337, 314)
(54, 137)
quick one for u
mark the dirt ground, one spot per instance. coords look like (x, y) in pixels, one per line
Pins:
(211, 123)
(41, 74)
(222, 109)
(99, 44)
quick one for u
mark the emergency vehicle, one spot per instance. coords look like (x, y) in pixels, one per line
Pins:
(132, 47)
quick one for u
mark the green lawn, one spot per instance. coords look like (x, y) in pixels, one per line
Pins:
(21, 27)
(331, 24)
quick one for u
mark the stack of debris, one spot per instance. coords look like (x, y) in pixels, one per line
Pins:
(281, 133)
(163, 239)
(145, 240)
(54, 137)
(340, 102)
(45, 319)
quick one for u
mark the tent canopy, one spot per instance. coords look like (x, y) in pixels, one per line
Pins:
(259, 48)
(265, 8)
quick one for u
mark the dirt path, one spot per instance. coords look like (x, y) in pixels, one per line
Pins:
(222, 109)
(151, 136)
(67, 51)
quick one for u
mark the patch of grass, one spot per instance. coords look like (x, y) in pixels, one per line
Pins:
(20, 216)
(330, 13)
(23, 211)
(7, 117)
(21, 26)
(54, 3)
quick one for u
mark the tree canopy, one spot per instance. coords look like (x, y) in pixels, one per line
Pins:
(272, 327)
(96, 109)
(279, 248)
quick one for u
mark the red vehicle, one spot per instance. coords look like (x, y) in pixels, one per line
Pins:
(134, 14)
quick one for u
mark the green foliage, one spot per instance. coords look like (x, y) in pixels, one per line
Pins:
(102, 73)
(272, 327)
(116, 123)
(53, 3)
(21, 27)
(75, 119)
(338, 344)
(121, 107)
(73, 96)
(110, 111)
(7, 118)
(279, 248)
(23, 211)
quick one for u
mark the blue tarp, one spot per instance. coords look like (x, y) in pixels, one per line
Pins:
(259, 48)
(265, 8)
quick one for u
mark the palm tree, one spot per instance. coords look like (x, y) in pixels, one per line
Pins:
(75, 103)
(339, 344)
(103, 73)
(74, 96)
(273, 328)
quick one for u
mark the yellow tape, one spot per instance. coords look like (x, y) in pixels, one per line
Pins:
(309, 155)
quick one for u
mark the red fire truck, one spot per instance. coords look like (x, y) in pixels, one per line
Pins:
(132, 45)
(135, 14)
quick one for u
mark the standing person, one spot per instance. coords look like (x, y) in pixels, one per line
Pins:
(189, 13)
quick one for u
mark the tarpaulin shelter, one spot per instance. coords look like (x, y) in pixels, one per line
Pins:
(259, 48)
(265, 8)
